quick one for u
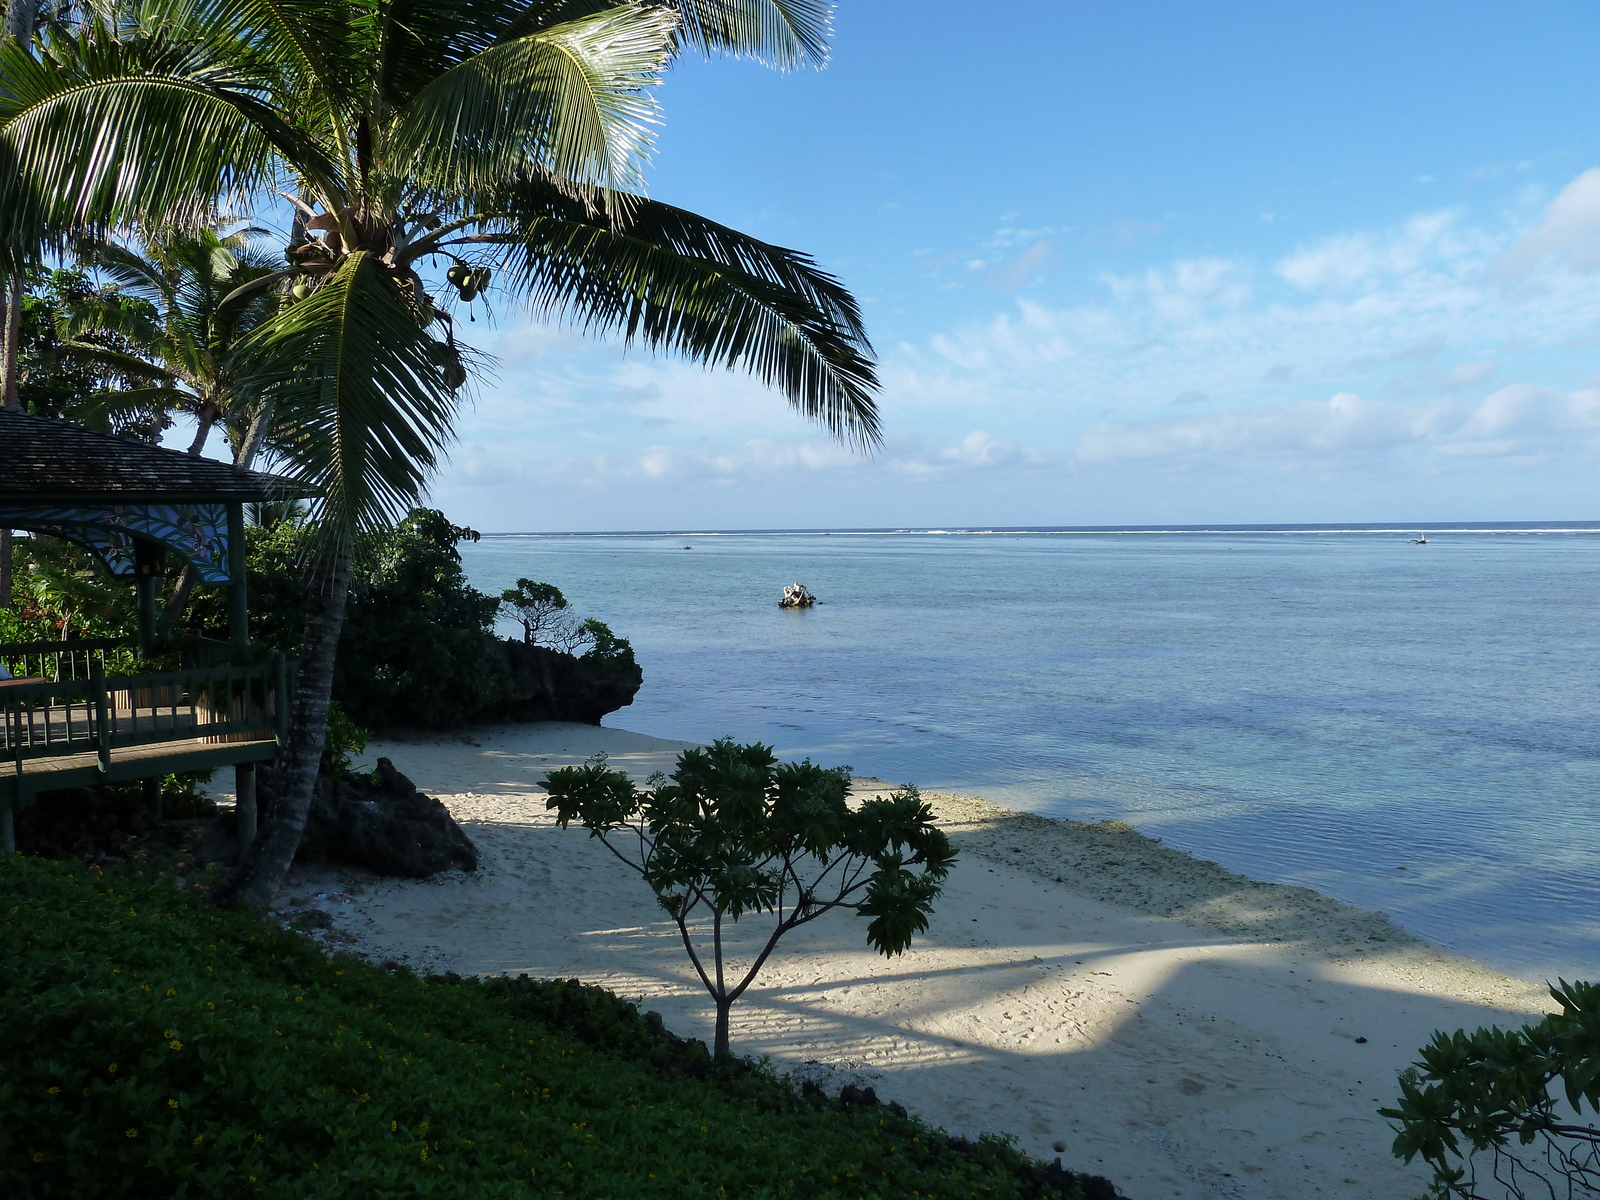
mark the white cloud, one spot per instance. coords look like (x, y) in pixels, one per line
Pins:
(1189, 291)
(1569, 235)
(1424, 339)
(1349, 260)
(1516, 420)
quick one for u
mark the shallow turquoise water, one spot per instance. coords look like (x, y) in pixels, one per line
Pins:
(1314, 708)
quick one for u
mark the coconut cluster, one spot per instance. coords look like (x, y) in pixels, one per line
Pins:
(467, 281)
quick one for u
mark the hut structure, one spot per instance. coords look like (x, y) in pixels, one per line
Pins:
(77, 713)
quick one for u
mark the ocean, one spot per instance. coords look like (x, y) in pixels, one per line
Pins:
(1409, 728)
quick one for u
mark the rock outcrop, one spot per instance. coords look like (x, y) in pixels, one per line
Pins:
(796, 596)
(547, 685)
(381, 822)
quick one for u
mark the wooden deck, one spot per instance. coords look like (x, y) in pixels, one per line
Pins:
(134, 762)
(79, 732)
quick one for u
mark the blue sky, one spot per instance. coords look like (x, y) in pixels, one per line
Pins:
(1123, 262)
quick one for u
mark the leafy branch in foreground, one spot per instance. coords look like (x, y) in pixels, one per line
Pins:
(1480, 1092)
(736, 832)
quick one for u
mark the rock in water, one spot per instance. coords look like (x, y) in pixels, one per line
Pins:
(381, 822)
(796, 596)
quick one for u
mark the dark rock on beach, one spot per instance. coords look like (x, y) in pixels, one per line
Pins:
(547, 685)
(381, 822)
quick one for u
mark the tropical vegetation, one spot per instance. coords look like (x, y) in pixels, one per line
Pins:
(430, 154)
(159, 1046)
(1500, 1112)
(736, 833)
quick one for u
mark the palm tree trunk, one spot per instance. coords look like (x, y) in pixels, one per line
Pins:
(256, 879)
(10, 347)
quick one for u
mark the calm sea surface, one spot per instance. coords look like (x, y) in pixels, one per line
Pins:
(1309, 706)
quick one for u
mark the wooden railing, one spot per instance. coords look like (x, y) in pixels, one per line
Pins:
(63, 662)
(99, 715)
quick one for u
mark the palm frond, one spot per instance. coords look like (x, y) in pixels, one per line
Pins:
(781, 33)
(361, 407)
(677, 281)
(116, 362)
(572, 101)
(108, 133)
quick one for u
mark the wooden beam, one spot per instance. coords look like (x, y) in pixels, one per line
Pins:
(238, 596)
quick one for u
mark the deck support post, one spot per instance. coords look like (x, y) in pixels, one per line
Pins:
(8, 828)
(152, 797)
(244, 809)
(238, 597)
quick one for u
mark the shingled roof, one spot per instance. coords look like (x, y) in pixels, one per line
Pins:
(45, 460)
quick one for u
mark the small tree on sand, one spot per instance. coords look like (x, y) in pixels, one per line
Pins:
(736, 832)
(1511, 1101)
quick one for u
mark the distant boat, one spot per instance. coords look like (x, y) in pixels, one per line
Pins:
(1421, 540)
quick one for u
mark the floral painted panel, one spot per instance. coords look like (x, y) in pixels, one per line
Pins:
(197, 533)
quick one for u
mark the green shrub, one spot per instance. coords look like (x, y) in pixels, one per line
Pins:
(418, 647)
(345, 740)
(607, 648)
(1509, 1103)
(158, 1047)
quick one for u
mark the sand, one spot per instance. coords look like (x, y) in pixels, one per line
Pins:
(1179, 1028)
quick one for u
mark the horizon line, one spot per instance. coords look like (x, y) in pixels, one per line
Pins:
(1395, 527)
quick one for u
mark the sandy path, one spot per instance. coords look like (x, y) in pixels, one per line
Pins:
(1181, 1029)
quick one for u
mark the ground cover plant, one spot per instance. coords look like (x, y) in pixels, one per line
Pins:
(158, 1046)
(737, 832)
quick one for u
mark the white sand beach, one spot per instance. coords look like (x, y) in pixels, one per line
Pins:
(1179, 1028)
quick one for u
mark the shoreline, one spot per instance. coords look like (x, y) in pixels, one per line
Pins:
(1180, 1028)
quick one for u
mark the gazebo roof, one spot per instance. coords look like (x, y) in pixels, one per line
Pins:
(43, 460)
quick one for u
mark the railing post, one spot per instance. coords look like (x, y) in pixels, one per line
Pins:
(102, 714)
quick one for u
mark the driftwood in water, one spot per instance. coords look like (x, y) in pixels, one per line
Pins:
(796, 596)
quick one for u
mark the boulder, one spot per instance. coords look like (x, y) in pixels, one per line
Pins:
(380, 821)
(548, 685)
(796, 596)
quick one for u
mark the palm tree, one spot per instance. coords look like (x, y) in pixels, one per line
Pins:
(181, 338)
(180, 334)
(502, 140)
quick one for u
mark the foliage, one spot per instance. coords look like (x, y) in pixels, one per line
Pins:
(736, 832)
(546, 620)
(25, 622)
(606, 647)
(418, 647)
(59, 585)
(345, 740)
(481, 139)
(159, 1047)
(540, 609)
(1476, 1094)
(55, 381)
(161, 325)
